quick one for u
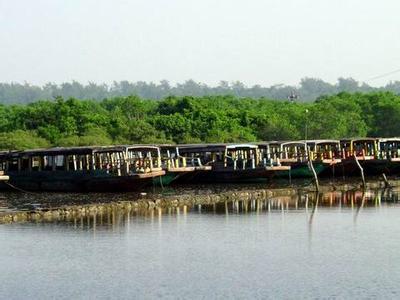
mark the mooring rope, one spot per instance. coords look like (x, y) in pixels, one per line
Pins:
(17, 188)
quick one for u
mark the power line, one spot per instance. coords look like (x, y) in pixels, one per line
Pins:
(383, 75)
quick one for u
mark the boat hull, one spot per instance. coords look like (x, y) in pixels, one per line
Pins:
(301, 170)
(77, 181)
(228, 176)
(372, 167)
(166, 179)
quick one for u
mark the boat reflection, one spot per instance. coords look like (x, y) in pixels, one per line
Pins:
(120, 215)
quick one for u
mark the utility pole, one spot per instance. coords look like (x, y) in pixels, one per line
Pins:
(306, 126)
(293, 96)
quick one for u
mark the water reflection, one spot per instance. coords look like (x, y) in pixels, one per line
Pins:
(326, 245)
(120, 214)
(306, 201)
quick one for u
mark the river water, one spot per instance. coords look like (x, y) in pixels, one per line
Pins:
(332, 245)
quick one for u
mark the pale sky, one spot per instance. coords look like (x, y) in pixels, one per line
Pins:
(255, 41)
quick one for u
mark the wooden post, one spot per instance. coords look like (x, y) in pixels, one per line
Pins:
(168, 160)
(127, 167)
(93, 161)
(159, 163)
(74, 161)
(258, 156)
(150, 161)
(225, 158)
(168, 163)
(112, 160)
(311, 166)
(184, 161)
(361, 170)
(87, 161)
(118, 163)
(177, 162)
(387, 184)
(100, 161)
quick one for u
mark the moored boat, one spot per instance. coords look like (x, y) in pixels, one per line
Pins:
(389, 152)
(176, 166)
(229, 163)
(295, 155)
(326, 155)
(362, 152)
(82, 169)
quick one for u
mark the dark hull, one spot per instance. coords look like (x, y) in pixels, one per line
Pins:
(302, 170)
(228, 176)
(373, 167)
(168, 178)
(330, 170)
(82, 181)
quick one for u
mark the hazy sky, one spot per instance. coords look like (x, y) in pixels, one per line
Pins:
(255, 41)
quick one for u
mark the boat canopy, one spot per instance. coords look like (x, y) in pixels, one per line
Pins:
(198, 148)
(294, 143)
(77, 150)
(323, 142)
(242, 146)
(358, 140)
(390, 140)
(269, 143)
(52, 151)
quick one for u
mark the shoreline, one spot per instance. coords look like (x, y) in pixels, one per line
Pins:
(183, 198)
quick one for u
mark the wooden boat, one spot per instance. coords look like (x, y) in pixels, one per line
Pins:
(176, 165)
(362, 152)
(389, 153)
(270, 152)
(226, 163)
(293, 154)
(82, 169)
(325, 156)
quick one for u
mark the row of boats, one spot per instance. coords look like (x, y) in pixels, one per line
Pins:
(133, 167)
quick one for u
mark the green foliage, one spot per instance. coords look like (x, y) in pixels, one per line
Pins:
(337, 117)
(21, 140)
(93, 137)
(190, 119)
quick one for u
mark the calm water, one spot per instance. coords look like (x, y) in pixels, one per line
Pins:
(344, 245)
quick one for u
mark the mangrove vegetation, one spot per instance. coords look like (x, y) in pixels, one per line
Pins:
(187, 119)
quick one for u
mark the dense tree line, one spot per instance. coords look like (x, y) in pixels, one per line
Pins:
(309, 89)
(189, 119)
